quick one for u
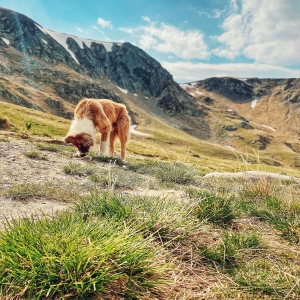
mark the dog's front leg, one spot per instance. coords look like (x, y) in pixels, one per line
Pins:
(104, 143)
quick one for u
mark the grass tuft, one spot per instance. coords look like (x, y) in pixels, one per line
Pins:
(67, 256)
(216, 209)
(163, 217)
(48, 189)
(78, 169)
(35, 155)
(49, 147)
(276, 212)
(228, 251)
(109, 159)
(171, 173)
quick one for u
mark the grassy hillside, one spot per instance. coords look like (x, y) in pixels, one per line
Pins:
(164, 142)
(268, 125)
(152, 227)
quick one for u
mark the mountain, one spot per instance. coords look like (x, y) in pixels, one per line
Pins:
(51, 72)
(262, 114)
(37, 53)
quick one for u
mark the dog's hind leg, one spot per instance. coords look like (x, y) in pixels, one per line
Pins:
(113, 136)
(123, 126)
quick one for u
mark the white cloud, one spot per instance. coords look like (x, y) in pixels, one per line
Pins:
(79, 29)
(95, 27)
(233, 5)
(188, 71)
(127, 30)
(147, 19)
(104, 23)
(263, 30)
(169, 39)
(216, 13)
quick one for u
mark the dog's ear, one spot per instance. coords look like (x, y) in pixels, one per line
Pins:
(88, 140)
(69, 139)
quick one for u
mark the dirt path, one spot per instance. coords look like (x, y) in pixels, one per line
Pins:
(19, 174)
(18, 170)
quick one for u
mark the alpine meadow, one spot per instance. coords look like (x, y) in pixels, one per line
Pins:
(205, 204)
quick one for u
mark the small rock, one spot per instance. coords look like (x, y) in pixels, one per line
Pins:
(5, 178)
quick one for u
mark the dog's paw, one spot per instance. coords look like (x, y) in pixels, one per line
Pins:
(99, 154)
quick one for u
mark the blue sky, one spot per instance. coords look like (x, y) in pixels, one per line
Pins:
(192, 39)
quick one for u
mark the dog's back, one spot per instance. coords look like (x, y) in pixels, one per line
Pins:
(114, 111)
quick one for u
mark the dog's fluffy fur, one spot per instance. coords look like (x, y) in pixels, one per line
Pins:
(99, 115)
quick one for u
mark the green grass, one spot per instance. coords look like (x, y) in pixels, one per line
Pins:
(275, 212)
(47, 189)
(79, 169)
(110, 240)
(163, 217)
(128, 236)
(50, 147)
(181, 147)
(135, 173)
(216, 209)
(269, 278)
(41, 123)
(70, 256)
(171, 173)
(228, 250)
(276, 203)
(35, 155)
(108, 159)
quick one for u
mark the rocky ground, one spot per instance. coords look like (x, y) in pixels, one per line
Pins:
(16, 169)
(33, 180)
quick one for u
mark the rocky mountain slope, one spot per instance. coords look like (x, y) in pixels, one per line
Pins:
(42, 56)
(262, 114)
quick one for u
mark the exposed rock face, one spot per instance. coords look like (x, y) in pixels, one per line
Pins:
(261, 142)
(75, 91)
(229, 127)
(126, 65)
(24, 35)
(174, 102)
(246, 125)
(241, 91)
(231, 88)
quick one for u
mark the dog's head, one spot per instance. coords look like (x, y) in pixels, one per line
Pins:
(83, 142)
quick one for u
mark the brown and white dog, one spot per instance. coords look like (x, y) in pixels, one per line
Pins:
(99, 115)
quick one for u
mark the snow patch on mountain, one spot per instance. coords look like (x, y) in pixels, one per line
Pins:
(185, 85)
(122, 90)
(268, 127)
(61, 38)
(6, 41)
(253, 103)
(134, 131)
